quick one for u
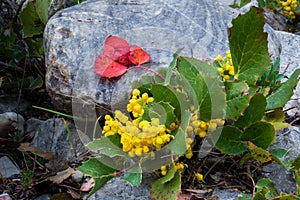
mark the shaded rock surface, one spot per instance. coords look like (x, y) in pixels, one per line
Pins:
(289, 62)
(288, 139)
(7, 168)
(51, 135)
(117, 189)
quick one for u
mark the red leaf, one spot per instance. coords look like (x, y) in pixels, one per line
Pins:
(108, 68)
(116, 56)
(117, 49)
(138, 56)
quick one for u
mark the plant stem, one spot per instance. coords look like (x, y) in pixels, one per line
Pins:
(148, 69)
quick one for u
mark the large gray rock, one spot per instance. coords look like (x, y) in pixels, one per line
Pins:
(74, 37)
(289, 62)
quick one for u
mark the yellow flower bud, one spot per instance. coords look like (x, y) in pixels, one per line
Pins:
(199, 176)
(136, 92)
(219, 58)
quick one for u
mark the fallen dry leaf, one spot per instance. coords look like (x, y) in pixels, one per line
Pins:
(48, 155)
(61, 176)
(74, 194)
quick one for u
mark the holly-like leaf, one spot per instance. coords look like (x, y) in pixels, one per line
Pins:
(265, 183)
(203, 87)
(262, 134)
(133, 176)
(34, 17)
(281, 96)
(280, 156)
(166, 190)
(296, 163)
(256, 153)
(236, 106)
(161, 110)
(254, 112)
(248, 46)
(230, 141)
(178, 144)
(98, 171)
(169, 96)
(236, 89)
(106, 147)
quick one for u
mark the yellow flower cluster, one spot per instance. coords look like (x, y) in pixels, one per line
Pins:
(226, 69)
(200, 128)
(199, 176)
(138, 136)
(288, 7)
(179, 166)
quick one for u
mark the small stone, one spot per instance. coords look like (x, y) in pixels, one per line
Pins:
(7, 168)
(43, 197)
(77, 176)
(5, 196)
(17, 120)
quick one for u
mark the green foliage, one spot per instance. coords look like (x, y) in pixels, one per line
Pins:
(100, 172)
(250, 104)
(166, 188)
(27, 178)
(203, 87)
(134, 176)
(34, 17)
(281, 96)
(249, 46)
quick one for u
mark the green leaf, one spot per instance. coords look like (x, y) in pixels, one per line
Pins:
(32, 24)
(236, 106)
(166, 190)
(254, 112)
(169, 96)
(98, 171)
(265, 183)
(230, 141)
(107, 147)
(133, 176)
(296, 163)
(280, 156)
(262, 134)
(41, 7)
(256, 153)
(161, 110)
(283, 93)
(170, 175)
(276, 115)
(172, 66)
(36, 83)
(248, 46)
(178, 144)
(34, 17)
(236, 89)
(203, 87)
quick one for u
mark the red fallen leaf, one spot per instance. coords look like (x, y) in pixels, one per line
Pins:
(117, 49)
(117, 55)
(138, 56)
(108, 68)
